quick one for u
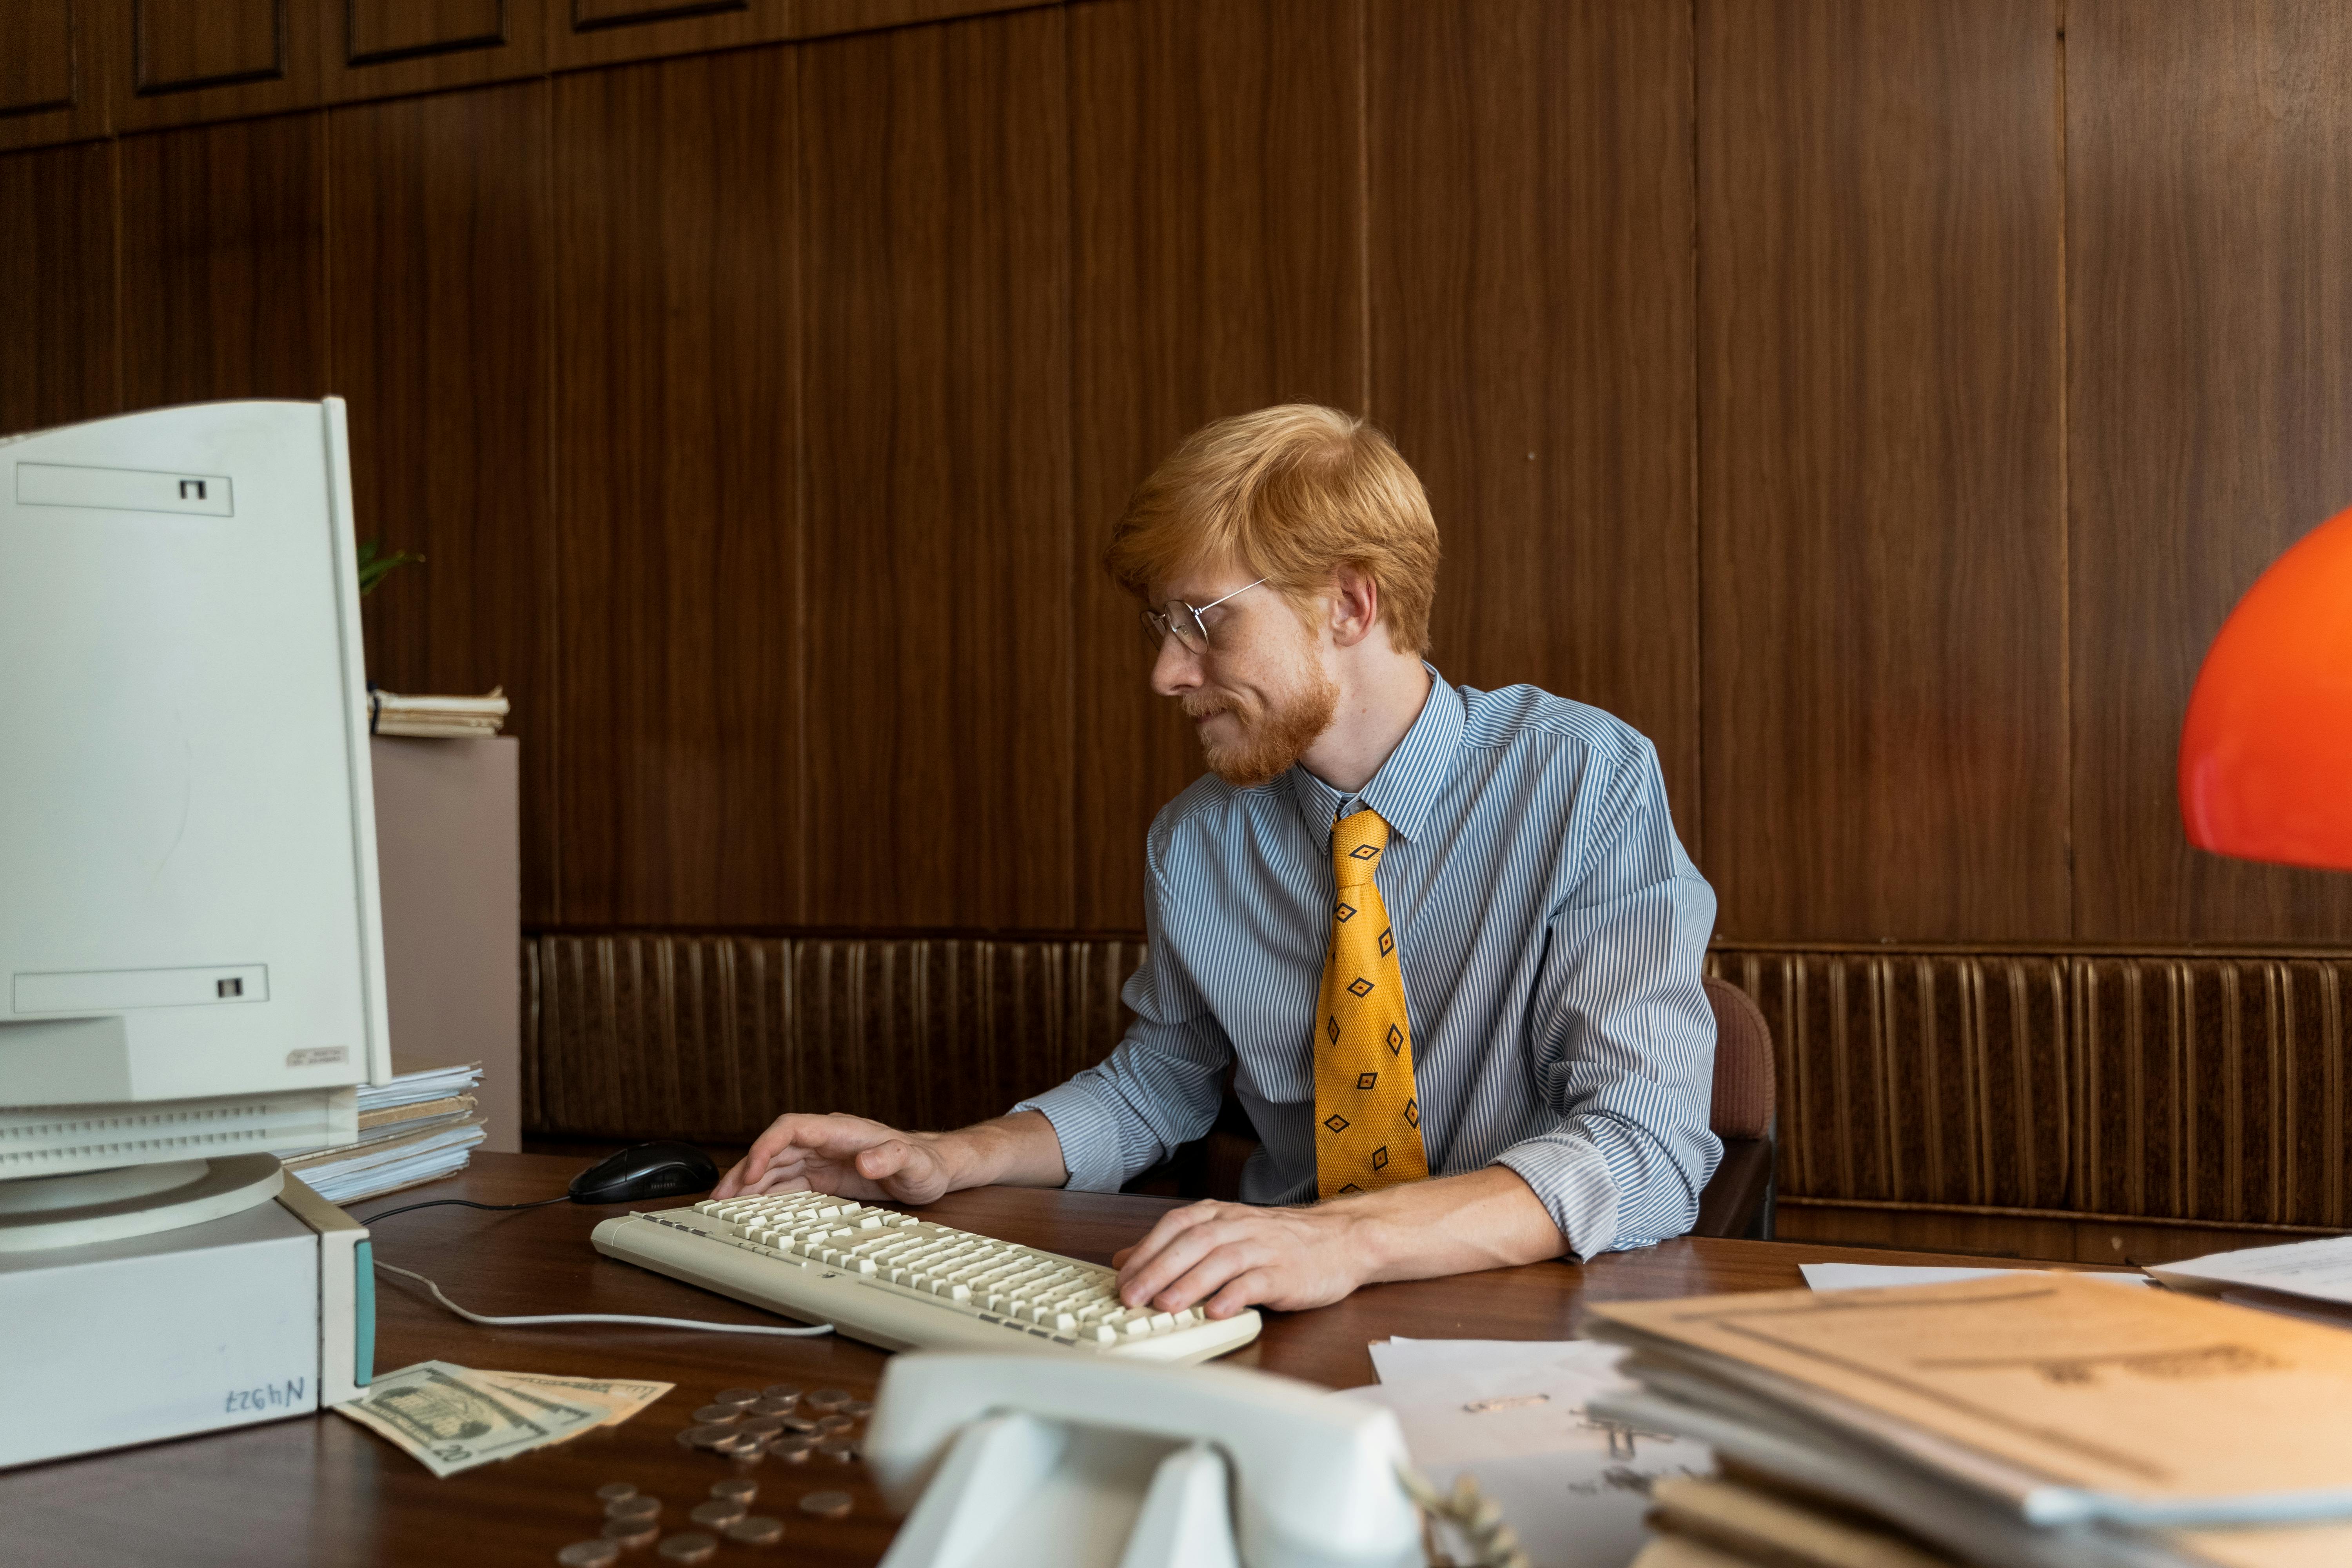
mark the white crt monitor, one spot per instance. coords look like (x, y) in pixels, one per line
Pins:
(190, 962)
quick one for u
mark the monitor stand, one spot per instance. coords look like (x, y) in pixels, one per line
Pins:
(41, 1212)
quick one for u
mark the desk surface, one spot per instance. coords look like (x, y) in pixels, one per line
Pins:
(322, 1490)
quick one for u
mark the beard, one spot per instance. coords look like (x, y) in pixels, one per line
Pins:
(1274, 735)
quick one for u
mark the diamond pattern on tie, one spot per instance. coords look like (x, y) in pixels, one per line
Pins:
(1364, 1097)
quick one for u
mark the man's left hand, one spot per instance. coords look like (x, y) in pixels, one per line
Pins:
(1235, 1254)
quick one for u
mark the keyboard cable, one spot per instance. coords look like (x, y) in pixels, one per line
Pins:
(596, 1317)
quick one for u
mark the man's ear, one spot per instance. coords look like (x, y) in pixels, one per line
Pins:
(1355, 605)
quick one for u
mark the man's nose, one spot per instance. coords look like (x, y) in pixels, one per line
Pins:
(1176, 671)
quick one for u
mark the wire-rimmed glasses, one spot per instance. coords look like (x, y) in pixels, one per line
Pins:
(1183, 621)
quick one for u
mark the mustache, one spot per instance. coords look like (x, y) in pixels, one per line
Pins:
(1202, 706)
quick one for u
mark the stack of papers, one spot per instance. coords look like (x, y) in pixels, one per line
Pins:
(414, 1088)
(2302, 1279)
(2043, 1421)
(442, 718)
(420, 1127)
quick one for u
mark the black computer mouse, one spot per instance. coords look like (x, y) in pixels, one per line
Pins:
(658, 1170)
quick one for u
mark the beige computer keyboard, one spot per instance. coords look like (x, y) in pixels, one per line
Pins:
(904, 1283)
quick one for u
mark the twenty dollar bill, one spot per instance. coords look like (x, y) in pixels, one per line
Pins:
(452, 1419)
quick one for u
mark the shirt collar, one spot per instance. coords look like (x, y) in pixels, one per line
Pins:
(1407, 783)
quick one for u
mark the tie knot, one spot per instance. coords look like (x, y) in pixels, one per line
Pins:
(1356, 845)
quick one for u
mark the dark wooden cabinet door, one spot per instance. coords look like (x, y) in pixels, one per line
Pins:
(381, 48)
(1532, 317)
(1882, 522)
(224, 262)
(192, 61)
(2208, 251)
(54, 71)
(439, 267)
(605, 31)
(1215, 145)
(676, 494)
(939, 542)
(58, 362)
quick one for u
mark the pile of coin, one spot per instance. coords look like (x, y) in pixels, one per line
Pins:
(748, 1424)
(744, 1425)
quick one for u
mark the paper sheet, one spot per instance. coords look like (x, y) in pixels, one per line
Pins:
(1870, 1276)
(1511, 1413)
(2321, 1269)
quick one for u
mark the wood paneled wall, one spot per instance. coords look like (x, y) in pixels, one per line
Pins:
(1878, 405)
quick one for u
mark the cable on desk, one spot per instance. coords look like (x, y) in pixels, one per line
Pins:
(596, 1317)
(465, 1204)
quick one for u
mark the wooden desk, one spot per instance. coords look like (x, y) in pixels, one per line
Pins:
(322, 1490)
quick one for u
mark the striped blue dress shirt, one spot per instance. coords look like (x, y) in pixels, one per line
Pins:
(1550, 929)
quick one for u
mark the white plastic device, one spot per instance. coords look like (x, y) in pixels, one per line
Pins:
(191, 954)
(905, 1283)
(1099, 1463)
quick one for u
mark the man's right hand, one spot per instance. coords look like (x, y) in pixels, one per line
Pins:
(848, 1156)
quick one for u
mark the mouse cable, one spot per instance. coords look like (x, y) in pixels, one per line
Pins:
(596, 1317)
(463, 1204)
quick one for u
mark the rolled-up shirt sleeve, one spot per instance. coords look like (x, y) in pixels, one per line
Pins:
(1627, 1046)
(1158, 1088)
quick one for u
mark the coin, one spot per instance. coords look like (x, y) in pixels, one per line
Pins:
(772, 1406)
(631, 1533)
(757, 1531)
(718, 1514)
(784, 1391)
(797, 1423)
(589, 1554)
(827, 1505)
(793, 1450)
(737, 1444)
(827, 1399)
(689, 1548)
(614, 1491)
(741, 1491)
(633, 1507)
(708, 1435)
(764, 1425)
(861, 1408)
(736, 1396)
(839, 1452)
(835, 1423)
(710, 1413)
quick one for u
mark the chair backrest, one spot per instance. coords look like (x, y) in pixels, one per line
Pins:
(1743, 1064)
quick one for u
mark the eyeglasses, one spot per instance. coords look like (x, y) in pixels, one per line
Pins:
(1185, 621)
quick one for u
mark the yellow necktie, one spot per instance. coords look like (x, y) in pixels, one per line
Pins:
(1370, 1133)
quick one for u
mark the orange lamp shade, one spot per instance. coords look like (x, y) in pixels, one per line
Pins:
(2266, 751)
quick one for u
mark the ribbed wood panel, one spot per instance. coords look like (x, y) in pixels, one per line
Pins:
(1918, 1078)
(2205, 1088)
(645, 1033)
(2215, 1086)
(2172, 1087)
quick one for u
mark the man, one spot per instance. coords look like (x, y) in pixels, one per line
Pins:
(1445, 939)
